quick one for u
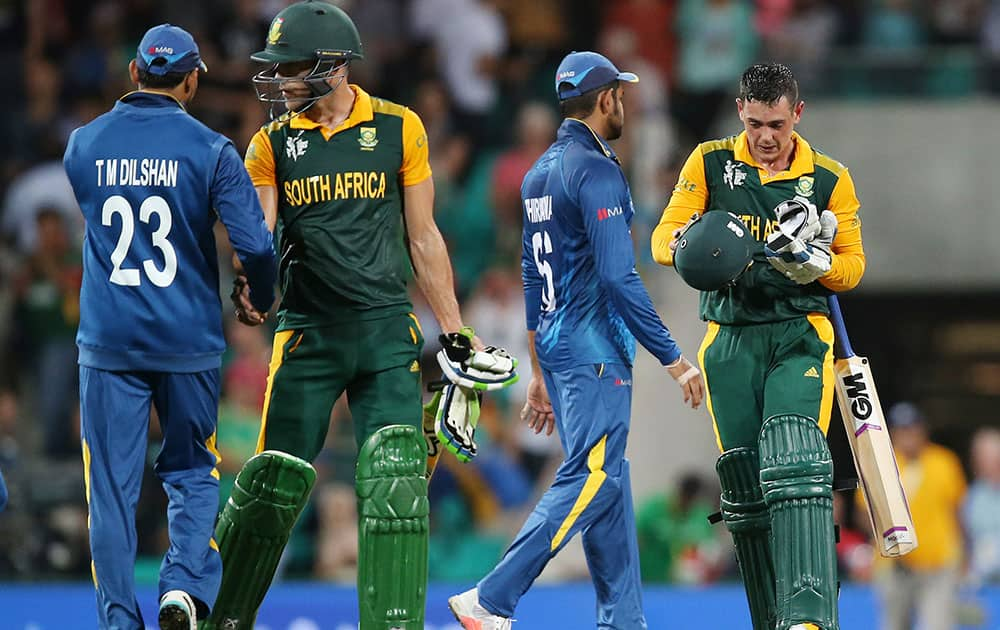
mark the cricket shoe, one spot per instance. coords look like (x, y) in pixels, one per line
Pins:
(177, 611)
(472, 616)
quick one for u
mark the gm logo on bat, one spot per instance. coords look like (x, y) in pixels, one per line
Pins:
(857, 391)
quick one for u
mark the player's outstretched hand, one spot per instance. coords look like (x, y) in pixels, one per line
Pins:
(689, 379)
(537, 411)
(245, 312)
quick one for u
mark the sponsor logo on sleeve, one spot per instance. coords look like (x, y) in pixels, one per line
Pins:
(606, 213)
(685, 184)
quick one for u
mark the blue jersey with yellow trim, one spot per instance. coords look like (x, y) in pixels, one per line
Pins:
(151, 182)
(584, 299)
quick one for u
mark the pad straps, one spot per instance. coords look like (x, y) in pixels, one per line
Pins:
(253, 529)
(393, 529)
(796, 473)
(746, 517)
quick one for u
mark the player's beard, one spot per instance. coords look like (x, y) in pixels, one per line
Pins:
(190, 89)
(615, 129)
(616, 123)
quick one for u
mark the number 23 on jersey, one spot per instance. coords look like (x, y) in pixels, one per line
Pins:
(128, 276)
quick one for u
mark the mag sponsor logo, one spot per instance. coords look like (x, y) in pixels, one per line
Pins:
(606, 213)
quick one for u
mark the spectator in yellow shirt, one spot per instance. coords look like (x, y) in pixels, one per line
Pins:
(923, 585)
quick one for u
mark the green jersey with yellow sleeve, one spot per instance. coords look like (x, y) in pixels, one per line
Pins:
(340, 230)
(722, 175)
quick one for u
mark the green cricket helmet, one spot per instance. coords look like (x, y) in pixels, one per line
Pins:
(713, 251)
(305, 32)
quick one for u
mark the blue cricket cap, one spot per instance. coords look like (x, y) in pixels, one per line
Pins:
(168, 48)
(904, 414)
(581, 72)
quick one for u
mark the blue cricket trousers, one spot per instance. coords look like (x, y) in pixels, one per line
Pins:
(591, 494)
(114, 423)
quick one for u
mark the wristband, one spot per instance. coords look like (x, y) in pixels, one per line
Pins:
(687, 376)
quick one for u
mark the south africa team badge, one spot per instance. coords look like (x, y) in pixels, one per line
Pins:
(274, 34)
(368, 139)
(804, 186)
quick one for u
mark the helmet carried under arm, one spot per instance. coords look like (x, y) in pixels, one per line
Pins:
(713, 251)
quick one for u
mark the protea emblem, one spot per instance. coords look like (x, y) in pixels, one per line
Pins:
(368, 139)
(274, 34)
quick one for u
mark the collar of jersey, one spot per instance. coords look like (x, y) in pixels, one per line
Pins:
(582, 131)
(362, 112)
(152, 98)
(802, 162)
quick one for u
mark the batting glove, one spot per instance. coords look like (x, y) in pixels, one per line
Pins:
(456, 420)
(484, 370)
(799, 260)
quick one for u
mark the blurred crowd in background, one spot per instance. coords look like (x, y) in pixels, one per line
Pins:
(480, 74)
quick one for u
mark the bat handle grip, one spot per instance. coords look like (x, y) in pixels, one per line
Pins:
(842, 344)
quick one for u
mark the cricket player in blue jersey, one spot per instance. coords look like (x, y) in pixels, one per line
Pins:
(586, 306)
(151, 182)
(3, 493)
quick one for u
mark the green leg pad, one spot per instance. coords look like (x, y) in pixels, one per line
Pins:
(796, 472)
(393, 530)
(252, 532)
(746, 517)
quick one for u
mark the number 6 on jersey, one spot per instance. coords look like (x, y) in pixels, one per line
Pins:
(541, 244)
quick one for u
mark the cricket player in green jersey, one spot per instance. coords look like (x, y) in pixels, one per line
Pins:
(345, 184)
(767, 357)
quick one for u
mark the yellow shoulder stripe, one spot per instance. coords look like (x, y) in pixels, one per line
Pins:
(725, 144)
(382, 106)
(828, 163)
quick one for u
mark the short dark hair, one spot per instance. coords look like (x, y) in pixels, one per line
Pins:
(46, 213)
(161, 81)
(583, 105)
(767, 83)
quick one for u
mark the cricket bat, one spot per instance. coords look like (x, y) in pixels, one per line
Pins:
(869, 438)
